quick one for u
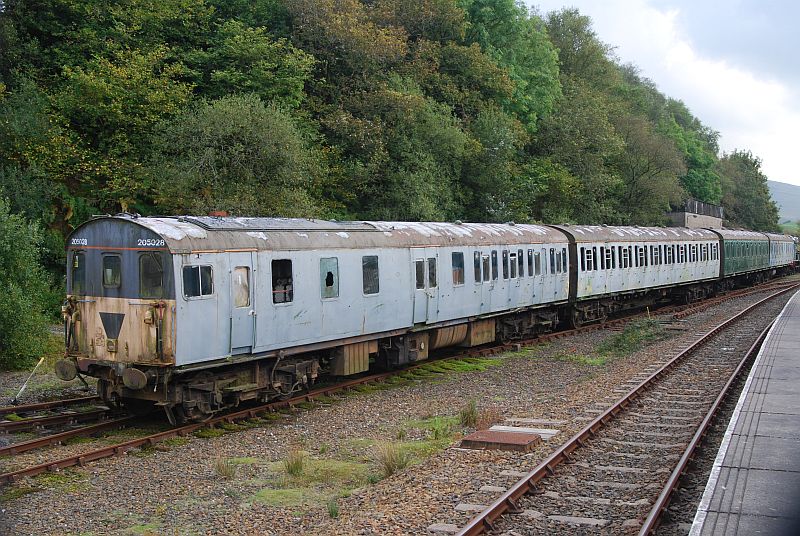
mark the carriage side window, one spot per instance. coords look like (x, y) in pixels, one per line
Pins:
(151, 276)
(558, 262)
(589, 259)
(197, 281)
(241, 286)
(564, 259)
(602, 259)
(282, 282)
(432, 272)
(530, 262)
(513, 264)
(78, 274)
(552, 260)
(494, 265)
(521, 263)
(369, 274)
(613, 257)
(485, 261)
(476, 261)
(112, 271)
(458, 268)
(505, 264)
(537, 263)
(419, 270)
(544, 260)
(583, 259)
(329, 277)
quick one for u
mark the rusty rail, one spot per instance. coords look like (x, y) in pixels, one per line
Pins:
(55, 439)
(39, 406)
(508, 501)
(654, 517)
(62, 418)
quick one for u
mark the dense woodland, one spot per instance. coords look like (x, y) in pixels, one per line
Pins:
(478, 110)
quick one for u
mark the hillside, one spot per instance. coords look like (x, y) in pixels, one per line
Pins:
(787, 197)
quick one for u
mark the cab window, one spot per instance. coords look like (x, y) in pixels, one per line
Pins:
(112, 271)
(78, 274)
(151, 276)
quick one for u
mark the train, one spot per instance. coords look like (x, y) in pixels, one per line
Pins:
(198, 314)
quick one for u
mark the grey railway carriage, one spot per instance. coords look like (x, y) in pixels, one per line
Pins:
(619, 267)
(197, 314)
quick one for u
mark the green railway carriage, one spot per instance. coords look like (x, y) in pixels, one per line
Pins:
(743, 251)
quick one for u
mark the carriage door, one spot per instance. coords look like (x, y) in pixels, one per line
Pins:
(243, 312)
(425, 271)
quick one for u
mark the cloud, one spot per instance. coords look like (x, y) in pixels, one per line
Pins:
(750, 110)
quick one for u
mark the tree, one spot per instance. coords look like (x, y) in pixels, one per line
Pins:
(649, 168)
(248, 60)
(517, 40)
(235, 154)
(746, 200)
(23, 323)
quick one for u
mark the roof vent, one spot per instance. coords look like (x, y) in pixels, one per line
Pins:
(459, 222)
(218, 213)
(510, 223)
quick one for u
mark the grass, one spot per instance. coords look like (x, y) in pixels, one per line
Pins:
(13, 417)
(469, 414)
(320, 482)
(224, 467)
(333, 508)
(209, 432)
(15, 492)
(391, 458)
(634, 337)
(295, 462)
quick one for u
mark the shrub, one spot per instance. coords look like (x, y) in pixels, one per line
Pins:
(392, 458)
(23, 291)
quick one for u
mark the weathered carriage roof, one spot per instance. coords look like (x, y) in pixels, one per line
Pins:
(610, 233)
(741, 234)
(192, 234)
(775, 237)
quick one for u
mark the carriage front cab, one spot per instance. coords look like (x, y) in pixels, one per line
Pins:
(120, 304)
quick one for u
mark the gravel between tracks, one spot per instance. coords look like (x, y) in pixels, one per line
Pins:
(179, 492)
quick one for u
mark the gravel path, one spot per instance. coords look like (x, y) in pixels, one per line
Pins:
(181, 488)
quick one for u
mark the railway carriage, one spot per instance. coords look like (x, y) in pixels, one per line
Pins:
(781, 251)
(199, 314)
(618, 267)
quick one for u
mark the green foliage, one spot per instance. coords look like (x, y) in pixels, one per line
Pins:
(747, 200)
(235, 154)
(478, 110)
(248, 60)
(23, 324)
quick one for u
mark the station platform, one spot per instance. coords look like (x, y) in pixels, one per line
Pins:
(754, 486)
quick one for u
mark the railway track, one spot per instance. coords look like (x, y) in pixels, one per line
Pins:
(23, 409)
(606, 478)
(253, 412)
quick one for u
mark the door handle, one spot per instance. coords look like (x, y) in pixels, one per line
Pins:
(252, 312)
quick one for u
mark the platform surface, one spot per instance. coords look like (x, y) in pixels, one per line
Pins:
(754, 486)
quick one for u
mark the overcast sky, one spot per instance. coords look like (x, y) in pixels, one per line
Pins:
(733, 63)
